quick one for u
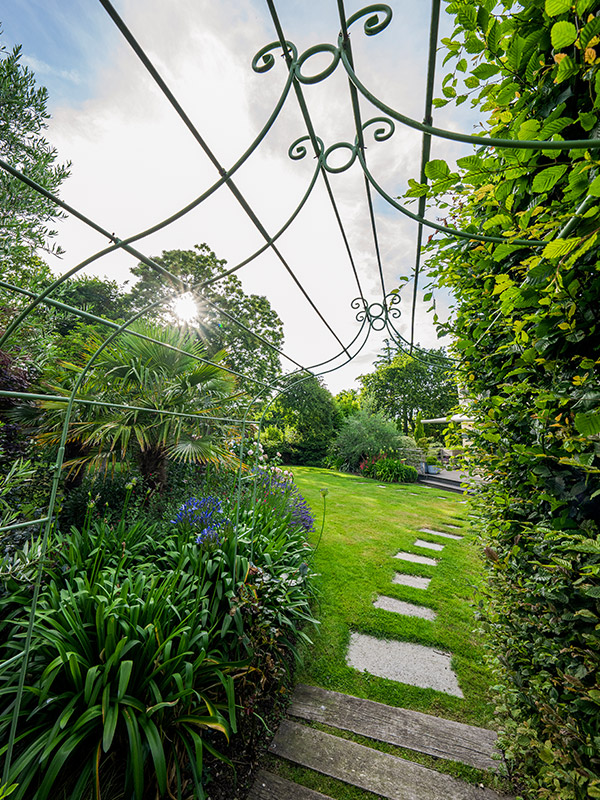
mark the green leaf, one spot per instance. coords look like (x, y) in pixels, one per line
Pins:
(547, 178)
(563, 34)
(157, 751)
(136, 759)
(566, 69)
(416, 189)
(124, 675)
(485, 71)
(594, 189)
(587, 120)
(559, 247)
(555, 7)
(437, 169)
(588, 423)
(592, 28)
(110, 726)
(546, 755)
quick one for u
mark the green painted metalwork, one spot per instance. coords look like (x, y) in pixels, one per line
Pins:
(378, 314)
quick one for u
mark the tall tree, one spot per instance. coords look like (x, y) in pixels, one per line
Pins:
(309, 418)
(403, 385)
(245, 353)
(25, 216)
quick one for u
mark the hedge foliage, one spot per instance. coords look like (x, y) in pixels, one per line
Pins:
(527, 338)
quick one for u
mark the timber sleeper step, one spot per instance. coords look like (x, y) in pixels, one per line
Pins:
(269, 786)
(385, 775)
(397, 726)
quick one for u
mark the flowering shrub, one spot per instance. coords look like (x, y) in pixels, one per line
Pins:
(279, 490)
(389, 469)
(205, 516)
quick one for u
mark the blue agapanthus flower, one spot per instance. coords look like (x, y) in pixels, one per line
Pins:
(204, 514)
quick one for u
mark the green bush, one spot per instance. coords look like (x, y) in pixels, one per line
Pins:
(139, 629)
(395, 471)
(121, 664)
(527, 338)
(361, 436)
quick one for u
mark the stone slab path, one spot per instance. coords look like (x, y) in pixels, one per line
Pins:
(400, 607)
(382, 774)
(429, 545)
(441, 533)
(416, 559)
(416, 581)
(386, 776)
(398, 726)
(404, 662)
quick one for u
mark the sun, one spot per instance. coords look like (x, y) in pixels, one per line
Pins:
(185, 308)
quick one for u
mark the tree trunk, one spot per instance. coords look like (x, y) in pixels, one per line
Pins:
(153, 466)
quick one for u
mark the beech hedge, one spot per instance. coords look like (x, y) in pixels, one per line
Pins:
(527, 340)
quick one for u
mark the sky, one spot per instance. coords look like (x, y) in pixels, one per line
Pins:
(134, 163)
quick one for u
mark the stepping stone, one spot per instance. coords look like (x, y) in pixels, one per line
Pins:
(441, 533)
(456, 527)
(434, 736)
(404, 662)
(400, 607)
(417, 559)
(268, 786)
(411, 580)
(429, 545)
(385, 775)
(441, 497)
(414, 494)
(381, 486)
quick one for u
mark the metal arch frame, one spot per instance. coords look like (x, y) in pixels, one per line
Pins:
(377, 315)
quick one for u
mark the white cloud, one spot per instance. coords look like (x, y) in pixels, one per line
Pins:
(41, 68)
(134, 162)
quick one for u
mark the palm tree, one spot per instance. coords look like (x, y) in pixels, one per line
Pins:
(157, 381)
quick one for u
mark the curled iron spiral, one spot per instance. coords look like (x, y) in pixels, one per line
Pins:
(264, 60)
(377, 314)
(373, 25)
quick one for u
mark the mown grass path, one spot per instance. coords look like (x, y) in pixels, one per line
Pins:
(365, 526)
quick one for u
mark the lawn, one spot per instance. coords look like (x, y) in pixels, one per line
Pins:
(365, 525)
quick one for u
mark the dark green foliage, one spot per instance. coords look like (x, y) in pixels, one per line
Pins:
(403, 385)
(388, 469)
(25, 216)
(307, 417)
(138, 634)
(363, 435)
(526, 331)
(245, 354)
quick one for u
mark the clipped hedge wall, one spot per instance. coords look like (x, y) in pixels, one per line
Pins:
(527, 336)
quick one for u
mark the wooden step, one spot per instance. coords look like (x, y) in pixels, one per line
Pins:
(380, 773)
(399, 726)
(268, 786)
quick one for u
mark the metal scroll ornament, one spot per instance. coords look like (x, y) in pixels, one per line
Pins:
(378, 314)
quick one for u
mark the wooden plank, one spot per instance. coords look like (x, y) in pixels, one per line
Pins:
(411, 729)
(268, 786)
(383, 774)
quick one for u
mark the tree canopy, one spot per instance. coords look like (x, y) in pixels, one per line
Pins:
(307, 417)
(245, 353)
(404, 385)
(26, 217)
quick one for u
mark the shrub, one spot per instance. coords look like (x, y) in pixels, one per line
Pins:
(393, 470)
(363, 435)
(123, 668)
(526, 332)
(139, 629)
